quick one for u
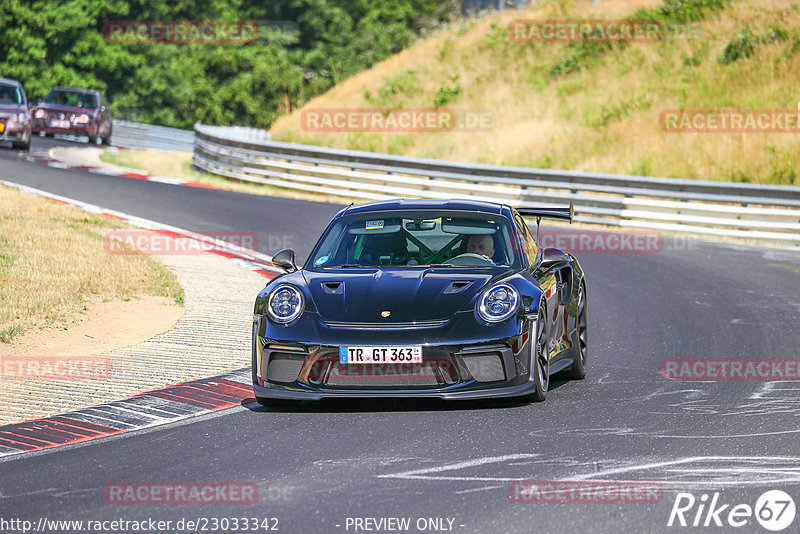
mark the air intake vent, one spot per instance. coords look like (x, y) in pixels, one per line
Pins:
(457, 286)
(333, 288)
(385, 375)
(284, 367)
(485, 367)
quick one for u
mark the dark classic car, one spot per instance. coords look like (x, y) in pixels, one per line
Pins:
(15, 119)
(74, 111)
(419, 298)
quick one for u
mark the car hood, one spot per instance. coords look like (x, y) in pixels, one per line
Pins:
(66, 109)
(7, 111)
(409, 295)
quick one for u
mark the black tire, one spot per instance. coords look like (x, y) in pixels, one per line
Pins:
(96, 140)
(22, 146)
(577, 370)
(540, 360)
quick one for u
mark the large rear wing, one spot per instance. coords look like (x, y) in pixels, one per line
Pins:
(567, 214)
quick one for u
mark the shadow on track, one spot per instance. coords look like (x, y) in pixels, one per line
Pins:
(379, 404)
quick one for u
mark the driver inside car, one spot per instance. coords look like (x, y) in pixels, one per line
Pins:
(482, 245)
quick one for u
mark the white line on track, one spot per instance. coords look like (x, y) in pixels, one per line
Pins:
(694, 471)
(422, 474)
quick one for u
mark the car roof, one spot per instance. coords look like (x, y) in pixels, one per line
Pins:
(404, 204)
(9, 81)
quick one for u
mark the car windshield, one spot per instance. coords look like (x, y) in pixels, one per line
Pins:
(10, 95)
(71, 98)
(414, 239)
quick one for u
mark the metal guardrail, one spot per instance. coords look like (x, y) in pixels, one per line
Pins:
(690, 206)
(137, 135)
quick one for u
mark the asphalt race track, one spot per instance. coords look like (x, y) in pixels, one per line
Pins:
(318, 467)
(283, 224)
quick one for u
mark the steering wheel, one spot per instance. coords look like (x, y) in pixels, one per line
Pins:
(468, 258)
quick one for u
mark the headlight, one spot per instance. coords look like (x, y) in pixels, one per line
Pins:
(18, 119)
(39, 113)
(498, 303)
(83, 118)
(285, 304)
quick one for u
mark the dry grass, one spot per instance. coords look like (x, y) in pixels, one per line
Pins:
(53, 264)
(604, 117)
(179, 165)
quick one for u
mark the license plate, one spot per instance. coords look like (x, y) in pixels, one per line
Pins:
(411, 354)
(55, 123)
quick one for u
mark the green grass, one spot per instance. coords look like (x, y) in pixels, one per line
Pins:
(53, 265)
(7, 334)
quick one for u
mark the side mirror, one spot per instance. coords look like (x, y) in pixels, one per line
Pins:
(553, 258)
(285, 260)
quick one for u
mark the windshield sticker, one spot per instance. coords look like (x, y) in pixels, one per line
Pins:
(321, 260)
(374, 225)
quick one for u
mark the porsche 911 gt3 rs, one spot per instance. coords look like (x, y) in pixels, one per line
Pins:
(422, 298)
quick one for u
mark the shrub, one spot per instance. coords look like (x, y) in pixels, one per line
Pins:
(744, 44)
(446, 94)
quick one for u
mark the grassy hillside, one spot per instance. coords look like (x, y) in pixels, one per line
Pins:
(593, 107)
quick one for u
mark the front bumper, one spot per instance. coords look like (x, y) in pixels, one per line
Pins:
(472, 369)
(15, 133)
(73, 129)
(15, 136)
(273, 392)
(64, 125)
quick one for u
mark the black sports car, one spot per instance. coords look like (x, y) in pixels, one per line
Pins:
(419, 298)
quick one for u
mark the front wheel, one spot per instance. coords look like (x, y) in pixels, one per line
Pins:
(578, 369)
(25, 145)
(540, 361)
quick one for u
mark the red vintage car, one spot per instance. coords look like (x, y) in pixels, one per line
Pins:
(74, 111)
(15, 119)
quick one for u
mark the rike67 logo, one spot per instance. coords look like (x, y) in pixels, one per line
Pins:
(774, 510)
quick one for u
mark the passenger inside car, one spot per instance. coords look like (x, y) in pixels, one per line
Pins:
(384, 249)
